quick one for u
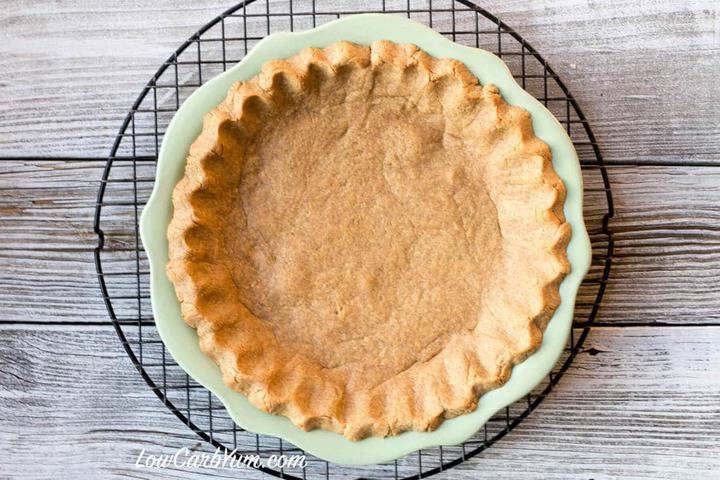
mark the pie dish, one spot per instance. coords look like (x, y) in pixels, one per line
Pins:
(182, 340)
(367, 239)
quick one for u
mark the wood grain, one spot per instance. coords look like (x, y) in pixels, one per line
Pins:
(665, 267)
(644, 72)
(639, 403)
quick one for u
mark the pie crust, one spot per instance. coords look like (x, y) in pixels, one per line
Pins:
(366, 239)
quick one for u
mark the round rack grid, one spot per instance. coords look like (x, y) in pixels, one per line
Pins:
(128, 178)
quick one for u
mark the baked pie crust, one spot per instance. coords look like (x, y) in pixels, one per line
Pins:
(366, 239)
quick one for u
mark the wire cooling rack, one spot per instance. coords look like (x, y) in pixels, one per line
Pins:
(128, 178)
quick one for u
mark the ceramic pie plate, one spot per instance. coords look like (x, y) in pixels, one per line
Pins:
(182, 341)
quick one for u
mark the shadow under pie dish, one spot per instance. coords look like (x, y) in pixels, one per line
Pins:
(366, 239)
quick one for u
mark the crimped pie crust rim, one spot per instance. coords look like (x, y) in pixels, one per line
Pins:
(181, 340)
(253, 371)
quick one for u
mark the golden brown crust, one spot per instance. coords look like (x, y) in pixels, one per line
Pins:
(384, 291)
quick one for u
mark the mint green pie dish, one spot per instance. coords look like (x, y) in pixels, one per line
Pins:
(181, 340)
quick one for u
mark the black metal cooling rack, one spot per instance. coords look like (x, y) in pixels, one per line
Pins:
(128, 178)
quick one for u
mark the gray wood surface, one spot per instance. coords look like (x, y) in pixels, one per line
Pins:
(614, 415)
(644, 71)
(643, 401)
(665, 229)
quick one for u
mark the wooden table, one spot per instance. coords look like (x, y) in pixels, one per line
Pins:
(642, 400)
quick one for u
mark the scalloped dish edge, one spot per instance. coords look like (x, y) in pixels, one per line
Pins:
(181, 340)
